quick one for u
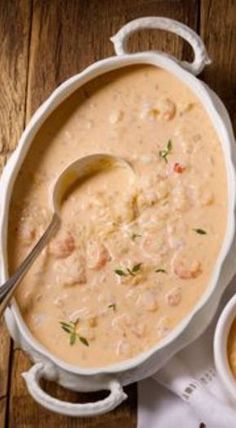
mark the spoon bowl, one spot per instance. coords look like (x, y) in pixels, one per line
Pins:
(80, 169)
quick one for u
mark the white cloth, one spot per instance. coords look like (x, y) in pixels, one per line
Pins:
(187, 392)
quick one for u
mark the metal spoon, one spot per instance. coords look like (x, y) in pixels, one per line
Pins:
(76, 170)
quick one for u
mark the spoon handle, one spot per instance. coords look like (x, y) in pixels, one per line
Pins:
(8, 288)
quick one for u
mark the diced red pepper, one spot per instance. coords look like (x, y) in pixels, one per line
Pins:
(179, 168)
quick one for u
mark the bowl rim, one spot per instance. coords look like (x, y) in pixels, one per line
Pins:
(221, 335)
(10, 172)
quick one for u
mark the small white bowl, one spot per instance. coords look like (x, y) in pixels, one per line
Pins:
(220, 347)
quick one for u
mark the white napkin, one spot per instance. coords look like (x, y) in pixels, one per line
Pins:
(187, 392)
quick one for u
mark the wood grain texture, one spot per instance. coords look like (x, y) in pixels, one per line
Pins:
(15, 18)
(3, 406)
(4, 361)
(64, 37)
(15, 23)
(218, 30)
(69, 36)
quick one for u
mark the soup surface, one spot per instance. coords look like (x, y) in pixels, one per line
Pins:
(132, 257)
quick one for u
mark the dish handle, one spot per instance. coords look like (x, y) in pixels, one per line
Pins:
(36, 372)
(201, 58)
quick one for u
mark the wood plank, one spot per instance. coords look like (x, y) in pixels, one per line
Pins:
(14, 33)
(14, 36)
(4, 356)
(67, 37)
(3, 406)
(218, 30)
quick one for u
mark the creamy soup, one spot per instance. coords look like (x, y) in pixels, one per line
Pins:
(132, 257)
(231, 348)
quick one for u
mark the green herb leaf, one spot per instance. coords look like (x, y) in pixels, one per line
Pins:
(200, 231)
(83, 340)
(67, 324)
(120, 272)
(112, 306)
(136, 268)
(165, 152)
(135, 235)
(66, 327)
(160, 271)
(169, 145)
(130, 272)
(70, 328)
(73, 338)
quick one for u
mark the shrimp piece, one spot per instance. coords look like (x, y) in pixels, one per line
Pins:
(153, 246)
(148, 301)
(139, 330)
(77, 273)
(173, 297)
(72, 271)
(163, 109)
(176, 233)
(184, 267)
(163, 327)
(97, 255)
(62, 248)
(167, 109)
(188, 272)
(124, 323)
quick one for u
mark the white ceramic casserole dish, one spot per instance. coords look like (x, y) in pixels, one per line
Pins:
(113, 377)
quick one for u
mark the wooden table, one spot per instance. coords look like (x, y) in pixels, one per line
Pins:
(42, 44)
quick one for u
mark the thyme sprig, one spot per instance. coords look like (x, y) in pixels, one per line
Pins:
(112, 306)
(160, 271)
(200, 231)
(135, 235)
(132, 272)
(164, 153)
(70, 328)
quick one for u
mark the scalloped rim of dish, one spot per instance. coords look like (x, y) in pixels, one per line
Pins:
(14, 164)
